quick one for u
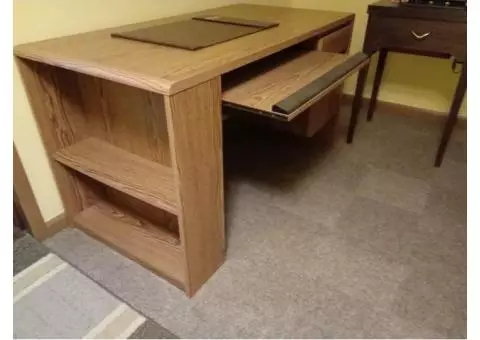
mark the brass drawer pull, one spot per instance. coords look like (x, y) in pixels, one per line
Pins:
(420, 36)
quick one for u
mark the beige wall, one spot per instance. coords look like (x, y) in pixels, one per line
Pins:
(415, 81)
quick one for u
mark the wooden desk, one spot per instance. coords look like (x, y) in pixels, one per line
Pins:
(134, 130)
(435, 32)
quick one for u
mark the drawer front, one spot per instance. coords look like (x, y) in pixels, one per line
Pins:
(416, 35)
(338, 41)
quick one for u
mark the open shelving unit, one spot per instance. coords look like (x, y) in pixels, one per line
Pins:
(154, 246)
(126, 172)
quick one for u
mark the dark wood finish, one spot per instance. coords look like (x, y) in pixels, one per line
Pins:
(376, 83)
(394, 9)
(441, 38)
(138, 177)
(452, 115)
(357, 103)
(436, 32)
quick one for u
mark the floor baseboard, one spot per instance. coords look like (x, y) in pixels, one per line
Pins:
(400, 109)
(54, 225)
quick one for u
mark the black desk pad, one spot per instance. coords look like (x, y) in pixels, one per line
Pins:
(196, 33)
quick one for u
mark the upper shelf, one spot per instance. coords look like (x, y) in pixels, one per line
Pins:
(168, 70)
(133, 175)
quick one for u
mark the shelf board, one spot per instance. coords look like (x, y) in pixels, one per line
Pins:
(152, 246)
(133, 175)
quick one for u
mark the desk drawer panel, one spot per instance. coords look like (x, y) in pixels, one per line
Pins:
(338, 41)
(438, 37)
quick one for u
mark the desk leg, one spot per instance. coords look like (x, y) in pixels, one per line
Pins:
(357, 102)
(194, 119)
(376, 83)
(452, 115)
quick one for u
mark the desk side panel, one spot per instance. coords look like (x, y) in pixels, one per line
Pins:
(195, 130)
(52, 111)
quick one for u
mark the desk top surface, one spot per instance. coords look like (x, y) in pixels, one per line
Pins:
(169, 70)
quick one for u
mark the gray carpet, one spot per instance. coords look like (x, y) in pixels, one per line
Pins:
(54, 300)
(348, 241)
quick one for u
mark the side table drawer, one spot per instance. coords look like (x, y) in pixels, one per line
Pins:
(416, 35)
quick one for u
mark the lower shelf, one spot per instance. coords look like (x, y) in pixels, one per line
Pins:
(154, 247)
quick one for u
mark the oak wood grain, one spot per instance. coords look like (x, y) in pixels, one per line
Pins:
(125, 116)
(169, 70)
(150, 245)
(143, 179)
(53, 111)
(142, 209)
(195, 126)
(265, 88)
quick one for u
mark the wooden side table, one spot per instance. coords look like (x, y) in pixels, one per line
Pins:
(428, 31)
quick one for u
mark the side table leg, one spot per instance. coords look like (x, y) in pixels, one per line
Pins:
(357, 102)
(452, 115)
(376, 83)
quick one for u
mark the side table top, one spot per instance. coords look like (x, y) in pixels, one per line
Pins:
(395, 9)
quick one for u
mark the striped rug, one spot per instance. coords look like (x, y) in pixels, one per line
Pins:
(52, 299)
